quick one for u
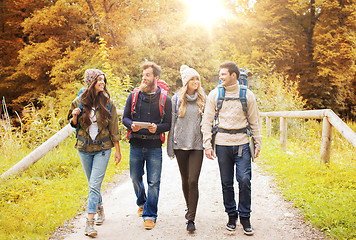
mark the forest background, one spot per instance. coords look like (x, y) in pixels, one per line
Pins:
(46, 46)
(301, 55)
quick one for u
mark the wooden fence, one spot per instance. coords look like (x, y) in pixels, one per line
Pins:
(330, 119)
(39, 152)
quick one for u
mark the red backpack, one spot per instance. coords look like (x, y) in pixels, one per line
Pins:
(162, 103)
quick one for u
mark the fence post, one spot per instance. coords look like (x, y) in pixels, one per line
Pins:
(326, 141)
(283, 133)
(268, 126)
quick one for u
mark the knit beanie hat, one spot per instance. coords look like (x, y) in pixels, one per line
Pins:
(91, 74)
(187, 73)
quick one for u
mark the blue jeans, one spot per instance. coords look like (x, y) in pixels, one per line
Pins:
(228, 157)
(153, 159)
(94, 166)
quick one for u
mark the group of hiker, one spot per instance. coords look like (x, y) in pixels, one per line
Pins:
(220, 125)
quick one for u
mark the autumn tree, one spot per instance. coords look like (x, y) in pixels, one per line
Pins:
(171, 41)
(335, 54)
(308, 41)
(12, 40)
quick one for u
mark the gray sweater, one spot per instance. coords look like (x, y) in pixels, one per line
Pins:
(185, 133)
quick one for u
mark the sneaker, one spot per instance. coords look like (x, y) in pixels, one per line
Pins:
(140, 211)
(190, 226)
(149, 224)
(245, 222)
(101, 216)
(89, 228)
(231, 225)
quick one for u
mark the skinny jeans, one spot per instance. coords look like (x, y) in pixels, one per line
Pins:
(190, 162)
(94, 166)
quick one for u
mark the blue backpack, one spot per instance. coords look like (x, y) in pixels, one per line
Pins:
(242, 97)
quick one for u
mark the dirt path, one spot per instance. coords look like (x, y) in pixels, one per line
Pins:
(272, 217)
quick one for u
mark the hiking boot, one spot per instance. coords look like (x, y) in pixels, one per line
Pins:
(245, 222)
(89, 228)
(140, 211)
(149, 224)
(101, 216)
(231, 225)
(190, 226)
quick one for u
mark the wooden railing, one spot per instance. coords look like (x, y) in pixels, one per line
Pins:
(39, 152)
(330, 119)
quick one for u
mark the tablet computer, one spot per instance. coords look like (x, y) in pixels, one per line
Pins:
(142, 124)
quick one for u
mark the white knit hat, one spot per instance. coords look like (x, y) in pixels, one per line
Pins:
(187, 73)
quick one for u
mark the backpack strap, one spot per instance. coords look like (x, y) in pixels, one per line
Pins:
(214, 131)
(243, 99)
(133, 102)
(79, 95)
(219, 103)
(221, 98)
(134, 98)
(80, 107)
(177, 104)
(162, 104)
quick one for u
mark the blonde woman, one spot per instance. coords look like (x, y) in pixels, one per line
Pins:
(185, 140)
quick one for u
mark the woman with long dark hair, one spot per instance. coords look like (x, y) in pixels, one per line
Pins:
(185, 140)
(94, 116)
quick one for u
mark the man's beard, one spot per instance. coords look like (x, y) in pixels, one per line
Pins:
(148, 88)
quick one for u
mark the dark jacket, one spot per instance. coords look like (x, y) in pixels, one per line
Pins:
(110, 130)
(147, 110)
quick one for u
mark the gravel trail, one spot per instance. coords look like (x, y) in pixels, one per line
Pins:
(272, 217)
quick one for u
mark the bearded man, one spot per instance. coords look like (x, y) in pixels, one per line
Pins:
(146, 124)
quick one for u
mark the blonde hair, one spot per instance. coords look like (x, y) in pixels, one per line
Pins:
(182, 100)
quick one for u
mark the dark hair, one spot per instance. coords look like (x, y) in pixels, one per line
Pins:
(100, 101)
(156, 69)
(232, 67)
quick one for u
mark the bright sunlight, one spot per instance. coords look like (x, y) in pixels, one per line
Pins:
(206, 12)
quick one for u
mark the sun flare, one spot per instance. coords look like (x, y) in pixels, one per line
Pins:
(206, 12)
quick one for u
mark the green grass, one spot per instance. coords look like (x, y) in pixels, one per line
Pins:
(326, 193)
(50, 192)
(54, 190)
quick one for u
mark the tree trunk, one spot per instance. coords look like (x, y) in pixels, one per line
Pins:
(95, 16)
(109, 23)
